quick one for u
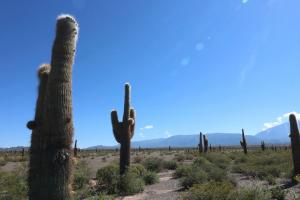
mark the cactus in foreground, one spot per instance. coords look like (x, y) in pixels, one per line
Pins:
(243, 142)
(75, 149)
(200, 145)
(52, 130)
(123, 131)
(263, 146)
(205, 143)
(295, 143)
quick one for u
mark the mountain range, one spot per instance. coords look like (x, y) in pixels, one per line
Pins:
(275, 135)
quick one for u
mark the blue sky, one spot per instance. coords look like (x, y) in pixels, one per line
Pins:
(194, 65)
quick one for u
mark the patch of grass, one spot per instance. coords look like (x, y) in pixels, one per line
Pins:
(171, 164)
(153, 164)
(255, 193)
(150, 178)
(81, 175)
(209, 191)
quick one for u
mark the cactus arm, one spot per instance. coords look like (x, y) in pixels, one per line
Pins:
(132, 123)
(295, 143)
(116, 125)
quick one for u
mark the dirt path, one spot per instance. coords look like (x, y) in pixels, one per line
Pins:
(166, 189)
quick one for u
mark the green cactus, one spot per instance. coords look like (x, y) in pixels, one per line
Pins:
(75, 149)
(205, 143)
(50, 168)
(200, 145)
(263, 146)
(124, 131)
(244, 143)
(295, 143)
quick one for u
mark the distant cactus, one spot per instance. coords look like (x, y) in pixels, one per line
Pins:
(243, 142)
(205, 143)
(169, 148)
(263, 146)
(52, 129)
(200, 145)
(75, 149)
(210, 148)
(123, 131)
(295, 143)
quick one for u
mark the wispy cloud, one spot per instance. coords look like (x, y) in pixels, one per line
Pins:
(147, 127)
(144, 128)
(199, 46)
(280, 120)
(245, 1)
(185, 61)
(167, 134)
(247, 68)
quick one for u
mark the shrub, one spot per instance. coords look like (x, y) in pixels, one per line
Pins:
(278, 193)
(81, 175)
(209, 191)
(179, 157)
(137, 159)
(130, 183)
(108, 178)
(183, 170)
(138, 169)
(153, 164)
(150, 178)
(255, 193)
(171, 165)
(196, 176)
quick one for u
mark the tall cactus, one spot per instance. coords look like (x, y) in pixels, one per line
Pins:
(263, 145)
(56, 125)
(200, 145)
(243, 142)
(36, 172)
(75, 149)
(123, 131)
(205, 143)
(295, 143)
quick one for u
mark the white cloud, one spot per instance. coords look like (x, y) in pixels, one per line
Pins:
(280, 120)
(245, 1)
(199, 46)
(167, 134)
(185, 61)
(147, 127)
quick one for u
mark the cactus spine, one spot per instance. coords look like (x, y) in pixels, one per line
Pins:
(205, 143)
(50, 174)
(200, 145)
(295, 143)
(243, 142)
(124, 131)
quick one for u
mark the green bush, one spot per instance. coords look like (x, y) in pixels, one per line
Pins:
(179, 157)
(183, 170)
(130, 183)
(278, 193)
(138, 169)
(171, 165)
(256, 193)
(153, 164)
(209, 191)
(108, 178)
(81, 175)
(196, 176)
(150, 178)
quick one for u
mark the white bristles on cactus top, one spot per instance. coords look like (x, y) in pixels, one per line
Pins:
(64, 16)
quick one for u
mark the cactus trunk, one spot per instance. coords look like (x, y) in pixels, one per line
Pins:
(295, 143)
(124, 131)
(243, 142)
(200, 145)
(205, 143)
(57, 121)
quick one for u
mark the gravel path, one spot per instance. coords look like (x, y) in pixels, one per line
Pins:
(166, 189)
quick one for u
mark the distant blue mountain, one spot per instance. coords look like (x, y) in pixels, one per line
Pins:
(276, 135)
